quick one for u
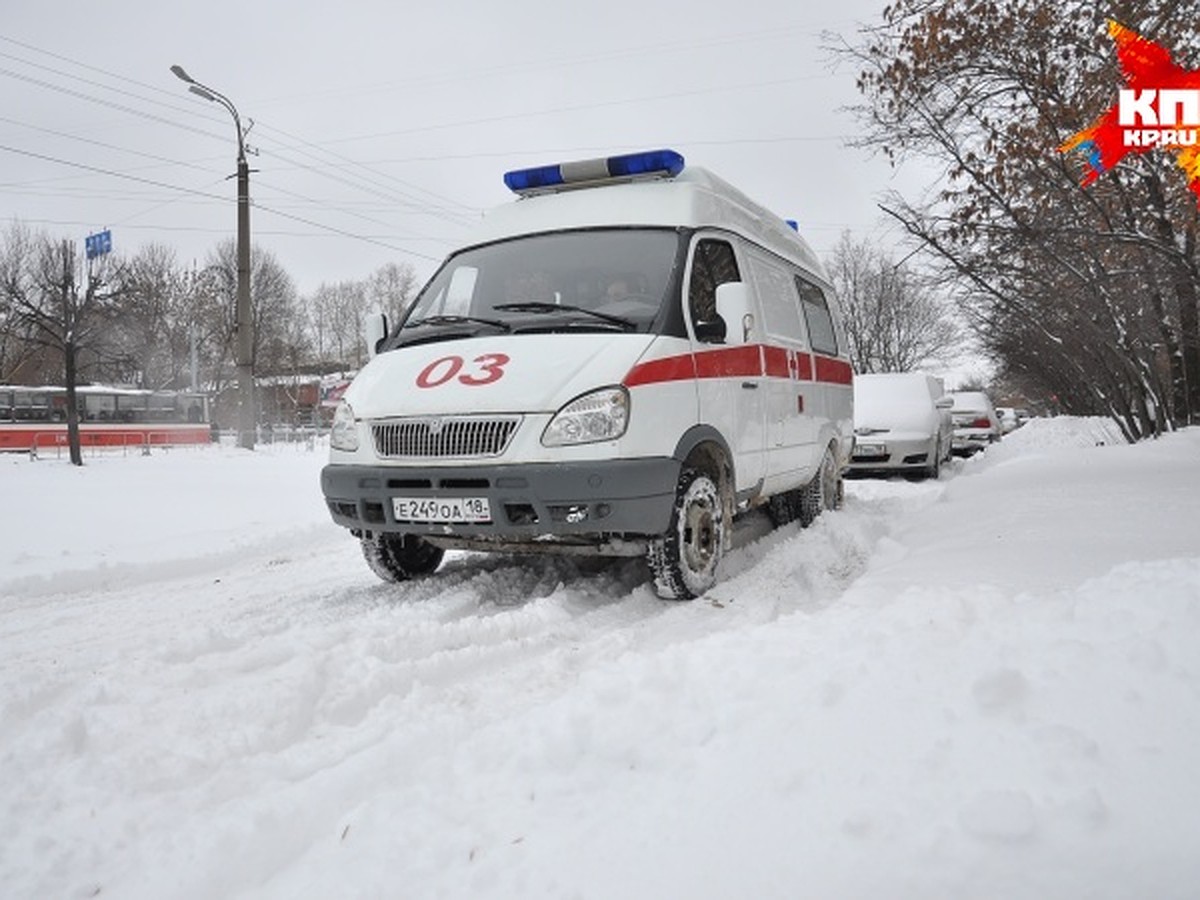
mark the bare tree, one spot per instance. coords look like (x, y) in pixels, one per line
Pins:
(272, 294)
(278, 334)
(336, 312)
(17, 348)
(391, 288)
(39, 284)
(895, 321)
(151, 322)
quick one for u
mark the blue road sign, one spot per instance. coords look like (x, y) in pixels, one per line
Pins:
(98, 244)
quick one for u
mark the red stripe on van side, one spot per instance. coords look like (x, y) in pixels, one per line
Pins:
(731, 362)
(776, 362)
(837, 371)
(804, 369)
(670, 368)
(740, 362)
(727, 362)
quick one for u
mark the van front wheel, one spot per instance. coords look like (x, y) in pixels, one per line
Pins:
(400, 557)
(684, 560)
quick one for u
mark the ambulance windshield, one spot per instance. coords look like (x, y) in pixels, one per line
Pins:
(612, 279)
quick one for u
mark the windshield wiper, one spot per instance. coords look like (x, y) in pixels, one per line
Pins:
(542, 307)
(458, 320)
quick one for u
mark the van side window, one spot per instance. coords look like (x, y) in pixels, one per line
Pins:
(816, 314)
(777, 292)
(713, 263)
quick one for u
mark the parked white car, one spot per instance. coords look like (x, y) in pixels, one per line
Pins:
(976, 425)
(902, 424)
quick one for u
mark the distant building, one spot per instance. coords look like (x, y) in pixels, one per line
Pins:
(300, 399)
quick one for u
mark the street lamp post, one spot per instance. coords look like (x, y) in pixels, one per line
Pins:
(244, 347)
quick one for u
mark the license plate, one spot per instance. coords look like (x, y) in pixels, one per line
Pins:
(441, 509)
(870, 450)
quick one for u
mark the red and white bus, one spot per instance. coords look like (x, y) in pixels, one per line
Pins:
(35, 418)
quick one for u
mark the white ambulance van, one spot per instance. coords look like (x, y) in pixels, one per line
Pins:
(622, 361)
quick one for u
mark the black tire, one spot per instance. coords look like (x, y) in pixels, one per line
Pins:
(684, 560)
(934, 470)
(824, 492)
(785, 507)
(400, 557)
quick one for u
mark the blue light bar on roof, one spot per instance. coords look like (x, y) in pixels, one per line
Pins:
(593, 171)
(792, 224)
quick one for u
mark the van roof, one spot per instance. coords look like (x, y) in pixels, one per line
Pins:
(695, 198)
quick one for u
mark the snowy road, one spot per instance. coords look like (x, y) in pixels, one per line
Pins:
(204, 692)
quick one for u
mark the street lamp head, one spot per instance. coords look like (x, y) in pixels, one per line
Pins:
(201, 92)
(182, 75)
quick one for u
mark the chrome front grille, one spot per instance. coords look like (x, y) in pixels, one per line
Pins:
(430, 437)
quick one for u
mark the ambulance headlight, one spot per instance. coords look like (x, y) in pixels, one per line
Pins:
(602, 415)
(343, 435)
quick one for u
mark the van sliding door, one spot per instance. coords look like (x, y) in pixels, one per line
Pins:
(791, 399)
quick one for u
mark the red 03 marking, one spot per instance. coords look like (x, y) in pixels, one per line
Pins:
(486, 368)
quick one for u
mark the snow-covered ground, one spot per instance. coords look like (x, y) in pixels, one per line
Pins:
(984, 686)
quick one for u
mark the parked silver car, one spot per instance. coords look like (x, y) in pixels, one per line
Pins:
(901, 424)
(976, 425)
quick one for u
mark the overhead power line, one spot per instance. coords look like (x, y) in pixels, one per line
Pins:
(342, 173)
(192, 191)
(121, 107)
(109, 172)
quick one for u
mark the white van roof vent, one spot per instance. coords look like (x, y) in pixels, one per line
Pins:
(594, 172)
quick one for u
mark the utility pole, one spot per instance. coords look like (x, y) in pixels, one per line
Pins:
(248, 418)
(70, 321)
(244, 343)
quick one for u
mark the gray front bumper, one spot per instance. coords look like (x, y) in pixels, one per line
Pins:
(527, 501)
(905, 454)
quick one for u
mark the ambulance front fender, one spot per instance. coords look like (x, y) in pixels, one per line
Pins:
(702, 446)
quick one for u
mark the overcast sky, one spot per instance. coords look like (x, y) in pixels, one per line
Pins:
(383, 132)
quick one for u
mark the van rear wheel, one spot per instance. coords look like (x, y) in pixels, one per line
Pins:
(400, 557)
(785, 507)
(684, 560)
(823, 492)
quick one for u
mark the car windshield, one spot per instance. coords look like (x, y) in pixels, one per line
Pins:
(892, 401)
(587, 280)
(971, 401)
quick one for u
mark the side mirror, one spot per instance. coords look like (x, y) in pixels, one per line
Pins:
(733, 305)
(375, 329)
